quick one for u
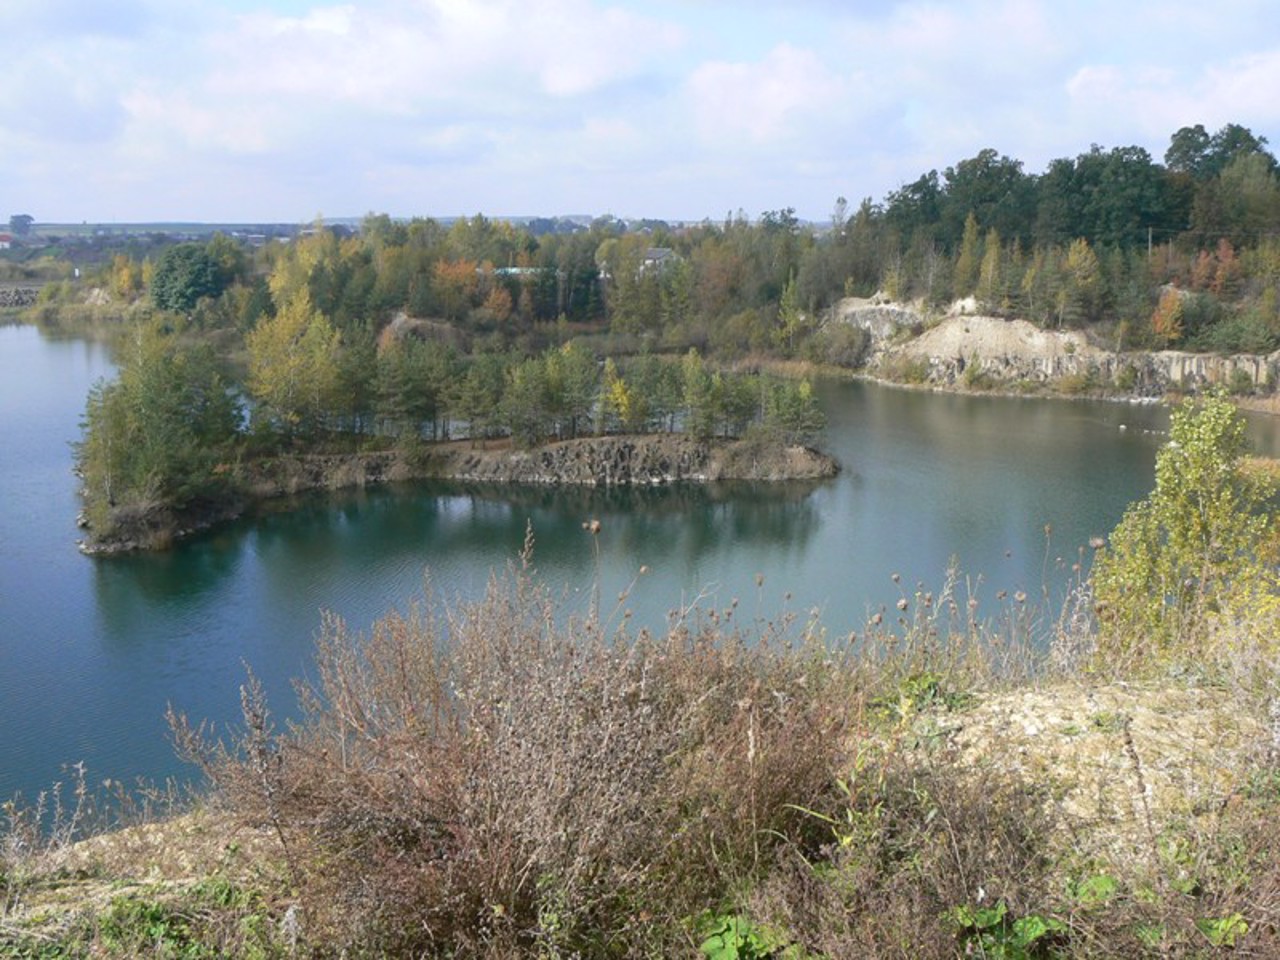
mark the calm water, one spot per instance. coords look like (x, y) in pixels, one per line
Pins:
(91, 651)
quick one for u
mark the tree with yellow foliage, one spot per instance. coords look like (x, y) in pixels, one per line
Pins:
(623, 406)
(455, 283)
(1196, 560)
(126, 278)
(294, 365)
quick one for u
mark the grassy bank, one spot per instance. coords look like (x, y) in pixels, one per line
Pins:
(501, 782)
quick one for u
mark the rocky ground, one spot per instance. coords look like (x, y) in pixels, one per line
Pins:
(17, 297)
(1122, 763)
(1022, 343)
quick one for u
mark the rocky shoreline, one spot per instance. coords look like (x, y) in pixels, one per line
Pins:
(17, 298)
(635, 461)
(646, 460)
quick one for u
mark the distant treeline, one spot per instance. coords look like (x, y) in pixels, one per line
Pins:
(417, 329)
(1096, 241)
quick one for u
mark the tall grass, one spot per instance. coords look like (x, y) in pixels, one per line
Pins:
(494, 780)
(491, 779)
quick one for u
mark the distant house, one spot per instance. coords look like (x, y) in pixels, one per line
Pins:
(658, 258)
(6, 241)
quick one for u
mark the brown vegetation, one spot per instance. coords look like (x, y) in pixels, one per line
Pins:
(498, 780)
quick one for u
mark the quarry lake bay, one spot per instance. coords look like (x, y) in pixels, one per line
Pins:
(92, 650)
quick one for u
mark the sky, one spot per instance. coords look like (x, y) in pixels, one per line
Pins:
(285, 110)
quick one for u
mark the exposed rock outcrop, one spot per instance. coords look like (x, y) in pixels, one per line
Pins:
(637, 460)
(17, 297)
(1014, 350)
(963, 344)
(883, 320)
(589, 461)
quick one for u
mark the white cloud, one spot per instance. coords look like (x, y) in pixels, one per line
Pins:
(389, 55)
(1154, 101)
(1244, 87)
(658, 107)
(773, 101)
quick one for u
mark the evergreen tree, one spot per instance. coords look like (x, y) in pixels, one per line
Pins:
(183, 276)
(965, 276)
(157, 434)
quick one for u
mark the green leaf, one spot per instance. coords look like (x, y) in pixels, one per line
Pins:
(1096, 889)
(1027, 930)
(733, 938)
(1151, 934)
(967, 917)
(1223, 931)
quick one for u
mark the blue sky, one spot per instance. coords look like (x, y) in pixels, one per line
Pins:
(288, 109)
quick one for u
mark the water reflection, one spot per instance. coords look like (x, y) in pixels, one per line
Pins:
(321, 537)
(128, 587)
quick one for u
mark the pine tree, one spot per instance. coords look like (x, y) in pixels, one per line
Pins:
(965, 276)
(990, 276)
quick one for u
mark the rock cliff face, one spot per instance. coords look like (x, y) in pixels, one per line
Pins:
(636, 460)
(881, 319)
(590, 461)
(1015, 350)
(16, 297)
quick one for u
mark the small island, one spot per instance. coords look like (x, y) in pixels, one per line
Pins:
(177, 444)
(376, 340)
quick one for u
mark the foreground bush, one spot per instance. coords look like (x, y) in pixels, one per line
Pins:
(502, 783)
(1190, 574)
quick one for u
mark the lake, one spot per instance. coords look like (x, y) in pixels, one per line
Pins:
(92, 650)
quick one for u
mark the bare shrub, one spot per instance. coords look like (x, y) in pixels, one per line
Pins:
(37, 834)
(500, 781)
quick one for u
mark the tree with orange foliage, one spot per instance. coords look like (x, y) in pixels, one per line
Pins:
(498, 304)
(1228, 268)
(1202, 271)
(456, 283)
(1166, 322)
